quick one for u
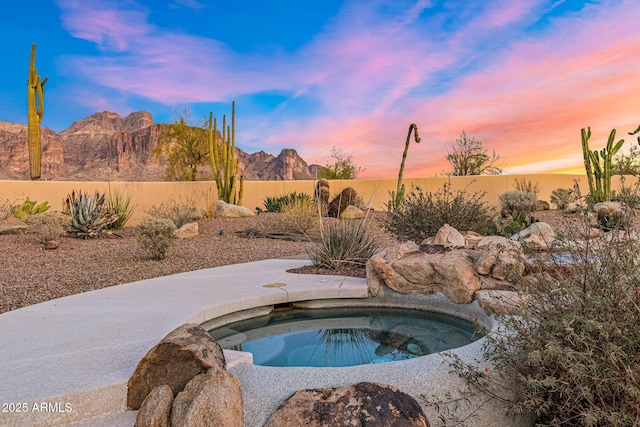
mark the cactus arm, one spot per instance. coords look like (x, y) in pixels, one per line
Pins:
(586, 152)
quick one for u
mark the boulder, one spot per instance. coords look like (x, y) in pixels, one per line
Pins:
(498, 301)
(52, 245)
(227, 210)
(538, 236)
(611, 207)
(542, 205)
(156, 408)
(487, 240)
(450, 272)
(213, 398)
(471, 238)
(184, 353)
(363, 404)
(449, 237)
(501, 260)
(346, 197)
(352, 212)
(187, 230)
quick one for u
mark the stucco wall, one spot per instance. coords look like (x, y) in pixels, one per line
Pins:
(203, 193)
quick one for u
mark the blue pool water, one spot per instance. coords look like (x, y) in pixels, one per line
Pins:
(334, 337)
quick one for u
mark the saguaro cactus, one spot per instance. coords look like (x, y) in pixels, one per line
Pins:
(599, 175)
(35, 103)
(224, 165)
(397, 197)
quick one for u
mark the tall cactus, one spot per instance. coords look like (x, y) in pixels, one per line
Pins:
(35, 104)
(224, 165)
(397, 198)
(599, 174)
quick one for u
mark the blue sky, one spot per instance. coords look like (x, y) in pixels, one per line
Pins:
(524, 76)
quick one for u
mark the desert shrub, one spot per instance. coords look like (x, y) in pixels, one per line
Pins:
(424, 214)
(122, 205)
(571, 353)
(179, 213)
(518, 201)
(561, 197)
(6, 209)
(629, 195)
(616, 220)
(300, 216)
(30, 207)
(527, 186)
(90, 215)
(275, 203)
(345, 243)
(156, 235)
(49, 225)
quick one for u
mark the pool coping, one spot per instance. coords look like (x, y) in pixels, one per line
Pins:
(78, 352)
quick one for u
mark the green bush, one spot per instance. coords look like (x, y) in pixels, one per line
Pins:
(346, 243)
(179, 213)
(571, 353)
(30, 207)
(424, 214)
(156, 235)
(561, 197)
(518, 201)
(275, 204)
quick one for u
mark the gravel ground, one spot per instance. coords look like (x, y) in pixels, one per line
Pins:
(29, 274)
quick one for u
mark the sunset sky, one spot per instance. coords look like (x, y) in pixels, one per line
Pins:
(523, 76)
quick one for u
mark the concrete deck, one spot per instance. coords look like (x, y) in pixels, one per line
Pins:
(67, 361)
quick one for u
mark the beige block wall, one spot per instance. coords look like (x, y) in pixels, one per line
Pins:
(203, 193)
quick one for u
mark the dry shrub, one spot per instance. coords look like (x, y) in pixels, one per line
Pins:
(156, 235)
(6, 209)
(49, 225)
(300, 216)
(179, 213)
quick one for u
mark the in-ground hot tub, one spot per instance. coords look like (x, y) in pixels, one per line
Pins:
(266, 387)
(344, 336)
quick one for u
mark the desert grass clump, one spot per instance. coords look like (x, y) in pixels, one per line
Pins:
(276, 203)
(156, 236)
(122, 205)
(300, 216)
(344, 244)
(179, 213)
(518, 201)
(425, 213)
(570, 355)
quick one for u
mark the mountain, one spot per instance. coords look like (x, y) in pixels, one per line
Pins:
(108, 147)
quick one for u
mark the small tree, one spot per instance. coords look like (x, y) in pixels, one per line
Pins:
(185, 146)
(470, 157)
(342, 168)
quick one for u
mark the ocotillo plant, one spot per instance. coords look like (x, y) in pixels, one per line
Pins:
(599, 175)
(397, 197)
(224, 165)
(35, 112)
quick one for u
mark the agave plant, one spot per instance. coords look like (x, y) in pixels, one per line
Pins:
(90, 215)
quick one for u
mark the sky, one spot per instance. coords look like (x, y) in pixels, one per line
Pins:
(522, 76)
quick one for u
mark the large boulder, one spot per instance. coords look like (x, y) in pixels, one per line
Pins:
(210, 399)
(156, 408)
(450, 272)
(227, 210)
(501, 260)
(363, 404)
(449, 237)
(346, 197)
(538, 236)
(189, 229)
(352, 212)
(184, 353)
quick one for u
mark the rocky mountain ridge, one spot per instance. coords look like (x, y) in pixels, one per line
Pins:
(108, 147)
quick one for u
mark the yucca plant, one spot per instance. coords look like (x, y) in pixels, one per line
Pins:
(348, 243)
(90, 215)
